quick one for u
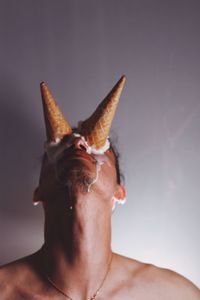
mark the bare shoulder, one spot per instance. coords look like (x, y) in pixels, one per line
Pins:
(171, 284)
(14, 276)
(10, 276)
(6, 280)
(149, 281)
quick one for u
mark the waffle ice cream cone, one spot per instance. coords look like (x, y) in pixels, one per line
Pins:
(56, 125)
(96, 128)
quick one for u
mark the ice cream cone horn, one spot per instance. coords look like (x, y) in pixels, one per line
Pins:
(56, 125)
(96, 128)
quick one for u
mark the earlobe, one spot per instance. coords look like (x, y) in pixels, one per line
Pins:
(120, 194)
(36, 197)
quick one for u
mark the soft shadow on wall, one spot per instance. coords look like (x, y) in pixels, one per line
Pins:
(20, 159)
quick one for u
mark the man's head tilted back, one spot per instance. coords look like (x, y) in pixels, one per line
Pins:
(80, 160)
(79, 186)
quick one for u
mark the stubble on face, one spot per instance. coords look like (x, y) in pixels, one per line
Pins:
(76, 175)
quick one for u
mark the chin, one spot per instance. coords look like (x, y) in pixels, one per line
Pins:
(77, 175)
(78, 180)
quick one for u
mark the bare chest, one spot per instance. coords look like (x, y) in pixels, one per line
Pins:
(127, 293)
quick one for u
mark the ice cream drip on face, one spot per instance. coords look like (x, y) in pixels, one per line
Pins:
(99, 163)
(98, 168)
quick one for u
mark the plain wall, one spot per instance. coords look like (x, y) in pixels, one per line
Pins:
(81, 48)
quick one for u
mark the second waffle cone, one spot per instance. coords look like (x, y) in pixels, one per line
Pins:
(96, 128)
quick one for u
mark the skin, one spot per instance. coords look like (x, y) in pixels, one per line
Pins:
(77, 248)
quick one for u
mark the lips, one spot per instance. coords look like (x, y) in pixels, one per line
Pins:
(79, 154)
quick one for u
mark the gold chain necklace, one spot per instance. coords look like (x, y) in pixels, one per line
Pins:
(94, 295)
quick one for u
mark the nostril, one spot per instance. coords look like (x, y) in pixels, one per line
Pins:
(79, 144)
(82, 147)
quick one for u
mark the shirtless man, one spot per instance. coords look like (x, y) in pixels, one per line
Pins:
(79, 187)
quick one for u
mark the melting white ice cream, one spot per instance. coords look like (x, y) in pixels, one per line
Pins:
(98, 169)
(55, 149)
(92, 149)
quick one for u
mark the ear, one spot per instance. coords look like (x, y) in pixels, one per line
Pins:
(120, 194)
(36, 196)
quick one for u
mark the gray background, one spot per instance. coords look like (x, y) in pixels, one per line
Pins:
(81, 48)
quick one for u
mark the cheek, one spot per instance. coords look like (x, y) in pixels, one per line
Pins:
(49, 186)
(106, 183)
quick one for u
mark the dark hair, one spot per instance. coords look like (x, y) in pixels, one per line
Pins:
(120, 176)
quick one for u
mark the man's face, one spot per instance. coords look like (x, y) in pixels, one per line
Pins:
(75, 171)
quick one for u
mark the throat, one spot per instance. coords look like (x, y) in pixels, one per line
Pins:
(80, 233)
(78, 239)
(88, 249)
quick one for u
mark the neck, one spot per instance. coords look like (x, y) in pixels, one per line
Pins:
(80, 240)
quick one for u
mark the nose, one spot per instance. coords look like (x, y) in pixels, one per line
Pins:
(80, 144)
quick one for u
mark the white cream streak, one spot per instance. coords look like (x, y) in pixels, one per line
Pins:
(92, 149)
(54, 149)
(98, 169)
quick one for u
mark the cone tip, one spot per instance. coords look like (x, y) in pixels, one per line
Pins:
(123, 79)
(42, 84)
